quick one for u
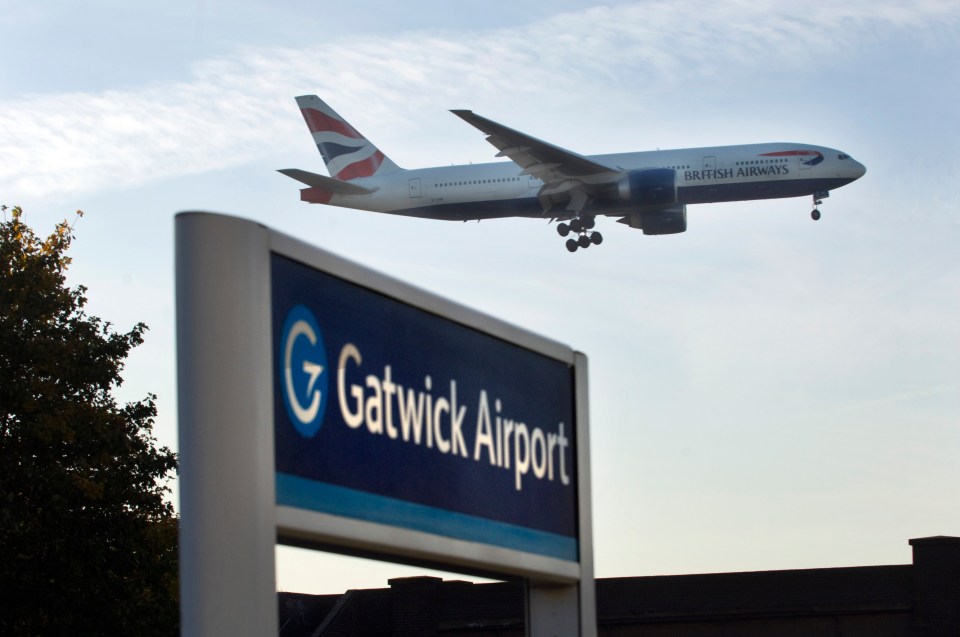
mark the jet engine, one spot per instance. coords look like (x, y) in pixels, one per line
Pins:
(667, 221)
(649, 187)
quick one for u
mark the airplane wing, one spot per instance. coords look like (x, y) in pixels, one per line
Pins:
(538, 158)
(325, 183)
(567, 177)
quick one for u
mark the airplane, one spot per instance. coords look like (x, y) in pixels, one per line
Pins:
(649, 191)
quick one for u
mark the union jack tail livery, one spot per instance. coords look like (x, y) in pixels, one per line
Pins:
(347, 154)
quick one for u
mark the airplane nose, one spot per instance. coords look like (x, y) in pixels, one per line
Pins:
(859, 170)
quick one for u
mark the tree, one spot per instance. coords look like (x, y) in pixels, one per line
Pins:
(88, 543)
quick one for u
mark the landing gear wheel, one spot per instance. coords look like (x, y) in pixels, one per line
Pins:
(576, 225)
(584, 241)
(596, 238)
(563, 229)
(572, 245)
(818, 198)
(589, 223)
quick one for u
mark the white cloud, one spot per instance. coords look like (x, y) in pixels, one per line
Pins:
(237, 108)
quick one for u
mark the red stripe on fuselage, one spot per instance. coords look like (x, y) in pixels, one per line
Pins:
(363, 168)
(319, 122)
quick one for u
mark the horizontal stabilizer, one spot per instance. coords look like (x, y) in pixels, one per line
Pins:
(323, 182)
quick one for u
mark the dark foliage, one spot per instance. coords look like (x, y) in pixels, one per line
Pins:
(88, 545)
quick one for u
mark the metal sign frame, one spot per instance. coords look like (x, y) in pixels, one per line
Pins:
(230, 519)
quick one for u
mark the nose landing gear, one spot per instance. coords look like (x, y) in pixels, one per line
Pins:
(818, 198)
(582, 226)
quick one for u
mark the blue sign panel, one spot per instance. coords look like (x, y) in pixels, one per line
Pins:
(387, 413)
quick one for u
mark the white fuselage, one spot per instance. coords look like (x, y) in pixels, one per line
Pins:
(703, 175)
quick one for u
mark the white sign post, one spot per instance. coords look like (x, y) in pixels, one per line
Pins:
(325, 405)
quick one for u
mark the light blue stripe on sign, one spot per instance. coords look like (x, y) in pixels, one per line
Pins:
(294, 491)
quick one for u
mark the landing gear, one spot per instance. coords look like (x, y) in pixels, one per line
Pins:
(818, 198)
(582, 226)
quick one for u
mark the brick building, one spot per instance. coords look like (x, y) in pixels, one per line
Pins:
(921, 599)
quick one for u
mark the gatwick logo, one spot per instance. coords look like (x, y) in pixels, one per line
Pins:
(434, 416)
(303, 371)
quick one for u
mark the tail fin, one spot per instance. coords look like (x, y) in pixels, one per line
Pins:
(347, 153)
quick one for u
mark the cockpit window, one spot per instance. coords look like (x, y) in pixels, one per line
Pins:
(842, 156)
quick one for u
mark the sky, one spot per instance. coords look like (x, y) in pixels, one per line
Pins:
(766, 392)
